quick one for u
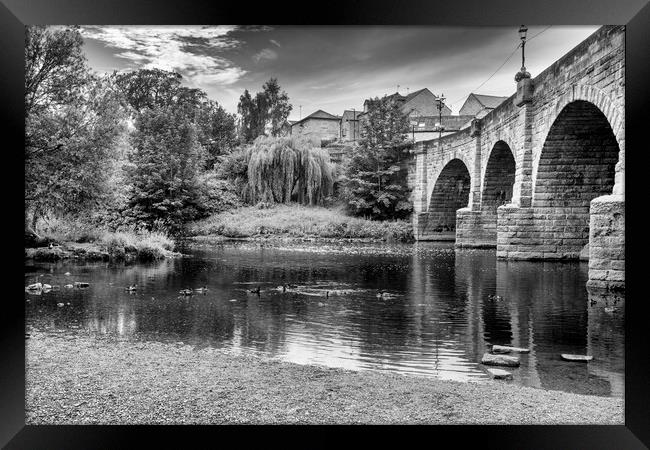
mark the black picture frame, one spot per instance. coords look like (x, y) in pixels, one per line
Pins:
(635, 14)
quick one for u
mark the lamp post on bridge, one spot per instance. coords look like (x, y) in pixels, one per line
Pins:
(525, 86)
(439, 105)
(523, 30)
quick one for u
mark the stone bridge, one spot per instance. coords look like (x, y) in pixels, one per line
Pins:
(542, 175)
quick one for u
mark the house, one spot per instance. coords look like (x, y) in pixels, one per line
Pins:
(285, 129)
(422, 109)
(425, 128)
(418, 103)
(479, 105)
(320, 125)
(350, 130)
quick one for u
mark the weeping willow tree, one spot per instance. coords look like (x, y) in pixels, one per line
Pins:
(284, 169)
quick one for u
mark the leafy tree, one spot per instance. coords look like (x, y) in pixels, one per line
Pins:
(55, 67)
(150, 88)
(154, 88)
(375, 183)
(216, 131)
(269, 109)
(247, 111)
(72, 121)
(166, 162)
(287, 169)
(233, 167)
(277, 104)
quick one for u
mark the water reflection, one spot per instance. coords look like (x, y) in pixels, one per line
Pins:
(425, 309)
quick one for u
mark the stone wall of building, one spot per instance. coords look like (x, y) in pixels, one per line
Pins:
(323, 129)
(424, 104)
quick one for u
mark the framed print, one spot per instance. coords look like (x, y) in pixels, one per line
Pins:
(368, 213)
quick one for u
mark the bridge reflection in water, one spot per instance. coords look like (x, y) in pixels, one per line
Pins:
(437, 317)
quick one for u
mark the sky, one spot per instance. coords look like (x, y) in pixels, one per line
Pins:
(333, 68)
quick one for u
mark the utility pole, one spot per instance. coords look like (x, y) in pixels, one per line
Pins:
(300, 112)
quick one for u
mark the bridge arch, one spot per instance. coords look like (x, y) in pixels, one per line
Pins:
(450, 192)
(608, 105)
(497, 186)
(576, 164)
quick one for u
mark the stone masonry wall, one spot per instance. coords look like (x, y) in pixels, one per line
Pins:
(569, 149)
(472, 231)
(607, 244)
(450, 193)
(319, 128)
(498, 182)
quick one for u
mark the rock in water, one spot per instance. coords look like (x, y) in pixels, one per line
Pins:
(508, 349)
(500, 360)
(500, 374)
(580, 358)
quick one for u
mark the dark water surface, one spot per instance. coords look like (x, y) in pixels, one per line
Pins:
(436, 317)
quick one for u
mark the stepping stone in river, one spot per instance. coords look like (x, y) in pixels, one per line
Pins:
(500, 374)
(580, 358)
(507, 349)
(500, 360)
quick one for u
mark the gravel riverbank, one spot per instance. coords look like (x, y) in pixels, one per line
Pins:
(100, 380)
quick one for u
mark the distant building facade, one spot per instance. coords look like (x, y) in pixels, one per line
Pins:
(426, 127)
(350, 129)
(420, 106)
(479, 106)
(419, 103)
(319, 125)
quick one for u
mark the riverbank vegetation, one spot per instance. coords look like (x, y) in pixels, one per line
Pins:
(135, 158)
(297, 221)
(62, 239)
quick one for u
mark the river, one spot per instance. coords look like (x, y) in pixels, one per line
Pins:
(424, 309)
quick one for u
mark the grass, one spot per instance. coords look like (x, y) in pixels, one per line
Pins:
(299, 221)
(147, 245)
(142, 244)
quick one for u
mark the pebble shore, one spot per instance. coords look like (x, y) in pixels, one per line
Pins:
(85, 379)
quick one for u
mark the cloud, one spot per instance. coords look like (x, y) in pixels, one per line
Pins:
(266, 53)
(274, 42)
(188, 50)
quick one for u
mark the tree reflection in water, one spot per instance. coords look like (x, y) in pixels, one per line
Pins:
(441, 309)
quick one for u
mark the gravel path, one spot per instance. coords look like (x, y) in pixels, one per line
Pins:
(89, 380)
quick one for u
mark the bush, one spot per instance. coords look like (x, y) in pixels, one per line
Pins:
(217, 195)
(68, 230)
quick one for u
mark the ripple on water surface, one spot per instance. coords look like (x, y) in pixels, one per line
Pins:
(425, 309)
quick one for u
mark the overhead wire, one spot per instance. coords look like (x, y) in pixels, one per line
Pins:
(500, 67)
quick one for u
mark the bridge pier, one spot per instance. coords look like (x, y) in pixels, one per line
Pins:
(541, 177)
(473, 229)
(473, 224)
(607, 244)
